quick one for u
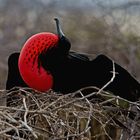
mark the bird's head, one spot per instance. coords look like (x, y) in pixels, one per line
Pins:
(34, 75)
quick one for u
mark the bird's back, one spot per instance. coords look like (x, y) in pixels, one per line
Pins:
(14, 78)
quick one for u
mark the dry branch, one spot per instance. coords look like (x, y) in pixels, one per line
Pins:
(32, 115)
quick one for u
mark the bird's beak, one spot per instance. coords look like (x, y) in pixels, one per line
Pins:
(59, 30)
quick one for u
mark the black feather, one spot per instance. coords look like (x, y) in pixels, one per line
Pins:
(72, 71)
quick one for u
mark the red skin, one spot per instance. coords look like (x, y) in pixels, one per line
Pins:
(35, 77)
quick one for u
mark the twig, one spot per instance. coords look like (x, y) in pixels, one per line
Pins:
(29, 128)
(111, 80)
(26, 110)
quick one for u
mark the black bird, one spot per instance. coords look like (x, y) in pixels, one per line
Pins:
(72, 71)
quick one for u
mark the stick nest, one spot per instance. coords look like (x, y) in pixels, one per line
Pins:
(83, 115)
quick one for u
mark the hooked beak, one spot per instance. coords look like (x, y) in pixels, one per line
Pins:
(59, 30)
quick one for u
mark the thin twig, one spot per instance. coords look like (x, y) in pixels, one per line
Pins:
(111, 80)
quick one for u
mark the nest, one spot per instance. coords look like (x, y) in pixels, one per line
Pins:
(86, 114)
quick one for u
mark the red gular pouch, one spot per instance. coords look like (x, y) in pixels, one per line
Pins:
(33, 74)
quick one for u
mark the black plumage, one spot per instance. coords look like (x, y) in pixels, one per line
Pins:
(72, 71)
(14, 78)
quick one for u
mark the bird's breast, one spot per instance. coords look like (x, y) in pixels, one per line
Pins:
(34, 75)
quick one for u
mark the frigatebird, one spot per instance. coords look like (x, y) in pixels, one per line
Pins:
(46, 61)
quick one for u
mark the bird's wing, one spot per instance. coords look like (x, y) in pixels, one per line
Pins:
(14, 79)
(78, 56)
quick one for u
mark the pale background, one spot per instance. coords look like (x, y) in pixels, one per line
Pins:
(93, 26)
